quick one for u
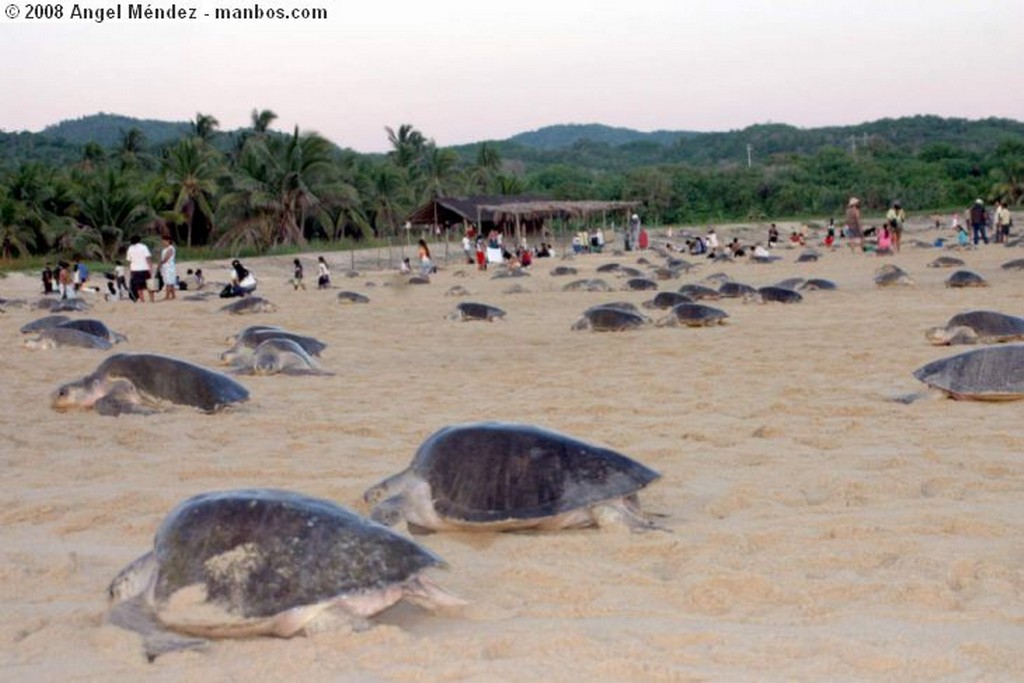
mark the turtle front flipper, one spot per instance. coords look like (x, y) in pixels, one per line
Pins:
(623, 512)
(121, 397)
(136, 615)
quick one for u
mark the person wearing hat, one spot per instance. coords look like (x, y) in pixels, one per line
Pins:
(979, 221)
(853, 229)
(896, 217)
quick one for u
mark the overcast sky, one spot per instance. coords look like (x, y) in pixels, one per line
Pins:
(463, 71)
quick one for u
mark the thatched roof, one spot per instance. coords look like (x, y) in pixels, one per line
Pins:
(494, 209)
(549, 207)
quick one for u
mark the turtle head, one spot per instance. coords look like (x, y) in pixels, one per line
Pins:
(265, 364)
(388, 512)
(81, 394)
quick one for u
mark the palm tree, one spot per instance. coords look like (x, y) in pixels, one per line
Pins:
(486, 169)
(15, 235)
(384, 190)
(109, 208)
(408, 144)
(131, 148)
(261, 120)
(278, 183)
(1009, 169)
(204, 126)
(190, 171)
(440, 171)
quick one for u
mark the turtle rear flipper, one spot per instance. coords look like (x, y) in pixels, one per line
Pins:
(136, 615)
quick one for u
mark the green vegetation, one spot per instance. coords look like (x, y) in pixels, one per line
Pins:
(84, 188)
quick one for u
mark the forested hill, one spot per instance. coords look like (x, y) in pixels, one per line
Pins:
(592, 146)
(586, 146)
(566, 135)
(106, 129)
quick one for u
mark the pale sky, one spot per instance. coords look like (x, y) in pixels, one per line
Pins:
(463, 71)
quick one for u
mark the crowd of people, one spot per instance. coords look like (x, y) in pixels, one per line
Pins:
(146, 275)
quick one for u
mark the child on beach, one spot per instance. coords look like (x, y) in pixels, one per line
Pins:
(297, 276)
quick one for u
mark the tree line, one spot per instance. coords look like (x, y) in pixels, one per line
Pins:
(260, 188)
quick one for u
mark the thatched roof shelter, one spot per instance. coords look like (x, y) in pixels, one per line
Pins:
(524, 212)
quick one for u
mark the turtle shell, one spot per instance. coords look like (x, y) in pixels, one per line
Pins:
(259, 552)
(605, 318)
(735, 289)
(493, 471)
(989, 373)
(965, 278)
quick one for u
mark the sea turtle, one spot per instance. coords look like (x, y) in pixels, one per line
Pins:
(347, 297)
(249, 304)
(663, 273)
(251, 337)
(990, 373)
(96, 328)
(43, 323)
(418, 280)
(966, 278)
(682, 265)
(717, 279)
(818, 283)
(791, 283)
(629, 271)
(1016, 264)
(693, 315)
(496, 476)
(698, 292)
(605, 318)
(977, 327)
(469, 310)
(588, 285)
(667, 300)
(278, 355)
(946, 262)
(250, 562)
(808, 256)
(890, 275)
(561, 271)
(53, 337)
(639, 284)
(139, 382)
(779, 295)
(732, 290)
(457, 290)
(245, 331)
(67, 305)
(608, 267)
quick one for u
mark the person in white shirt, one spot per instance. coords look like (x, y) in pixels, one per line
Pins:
(140, 266)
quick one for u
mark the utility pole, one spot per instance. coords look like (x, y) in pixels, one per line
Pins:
(749, 159)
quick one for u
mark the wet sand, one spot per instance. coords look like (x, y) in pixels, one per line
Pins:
(820, 530)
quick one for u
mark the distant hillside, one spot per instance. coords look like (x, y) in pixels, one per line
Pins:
(106, 129)
(566, 135)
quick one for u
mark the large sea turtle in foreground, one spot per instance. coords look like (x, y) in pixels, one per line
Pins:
(244, 563)
(977, 327)
(142, 382)
(991, 373)
(495, 476)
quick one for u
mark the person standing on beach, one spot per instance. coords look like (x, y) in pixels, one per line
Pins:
(297, 274)
(47, 279)
(323, 274)
(426, 265)
(467, 248)
(979, 219)
(140, 266)
(168, 270)
(854, 233)
(1003, 221)
(896, 217)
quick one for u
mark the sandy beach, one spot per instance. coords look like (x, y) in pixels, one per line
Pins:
(820, 531)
